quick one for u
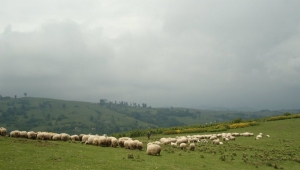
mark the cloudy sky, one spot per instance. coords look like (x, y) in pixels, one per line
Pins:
(186, 53)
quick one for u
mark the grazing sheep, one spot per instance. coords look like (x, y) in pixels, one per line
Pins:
(74, 138)
(65, 137)
(44, 136)
(267, 136)
(132, 144)
(80, 137)
(84, 138)
(126, 144)
(15, 134)
(56, 137)
(114, 142)
(3, 131)
(31, 135)
(174, 144)
(182, 140)
(122, 140)
(139, 145)
(153, 149)
(182, 146)
(23, 134)
(90, 140)
(102, 141)
(216, 142)
(192, 146)
(213, 137)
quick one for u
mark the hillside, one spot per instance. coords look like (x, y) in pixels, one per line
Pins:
(43, 114)
(279, 151)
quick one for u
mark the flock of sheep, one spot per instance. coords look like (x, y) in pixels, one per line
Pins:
(88, 139)
(153, 148)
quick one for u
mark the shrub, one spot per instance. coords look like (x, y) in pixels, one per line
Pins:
(239, 125)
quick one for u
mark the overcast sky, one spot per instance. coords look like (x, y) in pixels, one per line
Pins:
(186, 53)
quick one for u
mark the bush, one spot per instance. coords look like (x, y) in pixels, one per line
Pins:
(239, 125)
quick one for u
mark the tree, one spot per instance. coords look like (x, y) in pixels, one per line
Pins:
(25, 94)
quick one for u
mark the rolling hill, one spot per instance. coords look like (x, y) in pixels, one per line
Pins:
(44, 114)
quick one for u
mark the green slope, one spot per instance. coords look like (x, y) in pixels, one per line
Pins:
(43, 114)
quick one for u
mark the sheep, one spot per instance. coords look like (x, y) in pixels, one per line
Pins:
(139, 145)
(216, 142)
(192, 146)
(126, 144)
(84, 138)
(114, 142)
(153, 149)
(122, 140)
(96, 141)
(80, 137)
(3, 131)
(23, 134)
(74, 138)
(90, 139)
(40, 136)
(15, 134)
(267, 136)
(31, 135)
(182, 140)
(174, 144)
(56, 137)
(65, 137)
(132, 144)
(102, 140)
(108, 140)
(213, 137)
(182, 146)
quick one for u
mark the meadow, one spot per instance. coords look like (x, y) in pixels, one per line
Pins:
(280, 151)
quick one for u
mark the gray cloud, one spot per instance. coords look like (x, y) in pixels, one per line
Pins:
(189, 53)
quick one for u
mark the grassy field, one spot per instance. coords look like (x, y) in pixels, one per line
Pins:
(280, 151)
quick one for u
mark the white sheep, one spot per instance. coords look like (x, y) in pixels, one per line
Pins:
(23, 134)
(74, 138)
(192, 146)
(90, 139)
(174, 144)
(182, 146)
(102, 140)
(139, 145)
(3, 131)
(65, 137)
(84, 138)
(153, 149)
(56, 137)
(31, 135)
(14, 133)
(182, 140)
(216, 142)
(114, 142)
(122, 140)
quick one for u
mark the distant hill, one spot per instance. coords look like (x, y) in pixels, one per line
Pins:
(74, 117)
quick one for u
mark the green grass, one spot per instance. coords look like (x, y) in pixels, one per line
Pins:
(280, 151)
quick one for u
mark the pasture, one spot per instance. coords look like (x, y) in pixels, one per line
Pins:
(280, 151)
